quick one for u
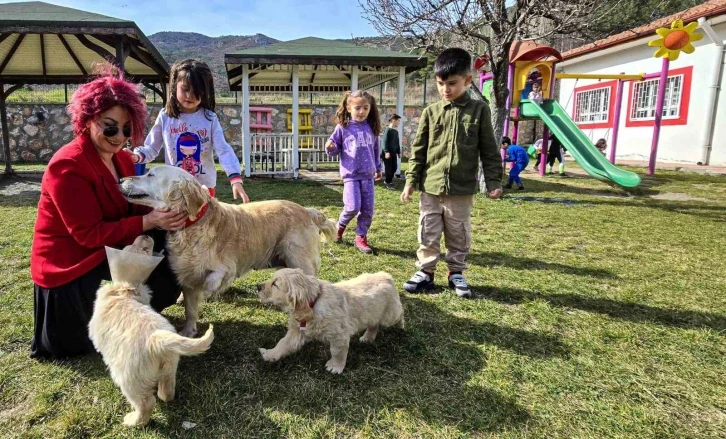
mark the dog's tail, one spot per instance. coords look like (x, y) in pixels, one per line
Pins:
(167, 341)
(327, 227)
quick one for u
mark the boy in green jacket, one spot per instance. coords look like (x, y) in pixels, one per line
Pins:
(453, 135)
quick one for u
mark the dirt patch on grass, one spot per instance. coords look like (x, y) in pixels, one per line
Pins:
(676, 196)
(18, 187)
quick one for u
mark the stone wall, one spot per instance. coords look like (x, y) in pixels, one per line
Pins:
(38, 130)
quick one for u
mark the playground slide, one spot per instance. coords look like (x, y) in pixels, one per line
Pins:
(577, 143)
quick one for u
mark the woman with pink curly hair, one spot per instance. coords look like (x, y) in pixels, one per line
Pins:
(81, 210)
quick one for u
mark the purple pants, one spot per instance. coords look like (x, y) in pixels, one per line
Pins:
(357, 200)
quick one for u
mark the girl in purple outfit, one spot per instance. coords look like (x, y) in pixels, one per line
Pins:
(356, 140)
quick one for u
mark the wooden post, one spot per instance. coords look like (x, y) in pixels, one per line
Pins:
(6, 134)
(400, 111)
(246, 136)
(120, 55)
(354, 79)
(295, 119)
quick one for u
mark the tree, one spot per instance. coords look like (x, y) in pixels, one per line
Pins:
(480, 27)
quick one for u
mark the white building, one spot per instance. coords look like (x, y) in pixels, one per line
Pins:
(694, 115)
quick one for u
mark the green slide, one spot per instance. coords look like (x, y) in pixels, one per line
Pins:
(576, 142)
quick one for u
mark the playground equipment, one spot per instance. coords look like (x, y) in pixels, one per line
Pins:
(305, 127)
(528, 56)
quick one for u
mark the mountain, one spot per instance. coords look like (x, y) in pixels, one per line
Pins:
(175, 46)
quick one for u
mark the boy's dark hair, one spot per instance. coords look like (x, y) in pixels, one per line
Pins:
(199, 77)
(393, 117)
(506, 140)
(452, 61)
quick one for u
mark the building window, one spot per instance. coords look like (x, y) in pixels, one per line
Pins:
(645, 94)
(592, 106)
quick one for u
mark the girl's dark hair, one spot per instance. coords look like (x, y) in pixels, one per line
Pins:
(373, 118)
(199, 78)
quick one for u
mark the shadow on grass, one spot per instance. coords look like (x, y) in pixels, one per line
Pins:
(633, 312)
(488, 259)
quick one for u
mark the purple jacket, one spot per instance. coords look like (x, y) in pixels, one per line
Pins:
(359, 151)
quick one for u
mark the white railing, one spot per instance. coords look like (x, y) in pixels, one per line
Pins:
(271, 154)
(312, 150)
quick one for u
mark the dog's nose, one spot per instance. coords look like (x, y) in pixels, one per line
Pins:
(259, 287)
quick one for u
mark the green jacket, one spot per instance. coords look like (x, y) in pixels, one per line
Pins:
(452, 137)
(390, 142)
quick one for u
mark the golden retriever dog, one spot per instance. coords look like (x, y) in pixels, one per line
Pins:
(222, 242)
(332, 313)
(139, 346)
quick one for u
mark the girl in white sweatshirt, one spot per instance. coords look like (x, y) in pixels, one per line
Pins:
(188, 130)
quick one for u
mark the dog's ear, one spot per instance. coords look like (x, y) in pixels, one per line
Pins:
(187, 197)
(298, 297)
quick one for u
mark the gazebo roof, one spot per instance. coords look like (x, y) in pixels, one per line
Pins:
(44, 43)
(324, 65)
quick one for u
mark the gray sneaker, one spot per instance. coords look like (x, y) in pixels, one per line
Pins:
(419, 282)
(457, 282)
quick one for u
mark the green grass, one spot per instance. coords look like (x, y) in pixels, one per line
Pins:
(597, 314)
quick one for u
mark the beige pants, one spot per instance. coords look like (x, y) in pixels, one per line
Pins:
(450, 214)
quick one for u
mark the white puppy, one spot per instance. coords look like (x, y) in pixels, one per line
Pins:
(319, 310)
(139, 346)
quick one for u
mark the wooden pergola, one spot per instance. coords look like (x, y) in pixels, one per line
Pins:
(313, 65)
(42, 43)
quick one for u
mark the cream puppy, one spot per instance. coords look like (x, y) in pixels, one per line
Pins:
(333, 313)
(139, 346)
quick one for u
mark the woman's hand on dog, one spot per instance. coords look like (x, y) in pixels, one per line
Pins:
(168, 220)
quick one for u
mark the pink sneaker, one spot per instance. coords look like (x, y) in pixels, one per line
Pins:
(361, 243)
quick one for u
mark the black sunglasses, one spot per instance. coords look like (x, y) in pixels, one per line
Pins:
(111, 131)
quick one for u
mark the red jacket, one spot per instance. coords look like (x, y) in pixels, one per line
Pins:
(80, 211)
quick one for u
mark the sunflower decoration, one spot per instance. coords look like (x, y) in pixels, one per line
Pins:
(675, 40)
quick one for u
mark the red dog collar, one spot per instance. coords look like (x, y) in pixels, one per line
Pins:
(304, 324)
(200, 215)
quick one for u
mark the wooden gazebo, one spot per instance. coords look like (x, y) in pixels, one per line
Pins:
(311, 65)
(42, 43)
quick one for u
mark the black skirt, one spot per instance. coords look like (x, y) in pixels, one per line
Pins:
(61, 314)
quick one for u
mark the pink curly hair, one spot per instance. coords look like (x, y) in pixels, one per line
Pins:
(107, 91)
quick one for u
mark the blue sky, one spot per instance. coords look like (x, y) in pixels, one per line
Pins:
(281, 19)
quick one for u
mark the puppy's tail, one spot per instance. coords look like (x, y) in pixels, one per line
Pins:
(327, 227)
(167, 341)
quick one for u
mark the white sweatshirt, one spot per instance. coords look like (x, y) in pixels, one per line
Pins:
(188, 142)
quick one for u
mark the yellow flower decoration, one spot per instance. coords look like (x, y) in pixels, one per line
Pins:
(675, 40)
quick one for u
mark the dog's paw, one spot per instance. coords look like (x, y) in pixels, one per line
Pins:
(165, 395)
(134, 419)
(268, 356)
(180, 299)
(334, 367)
